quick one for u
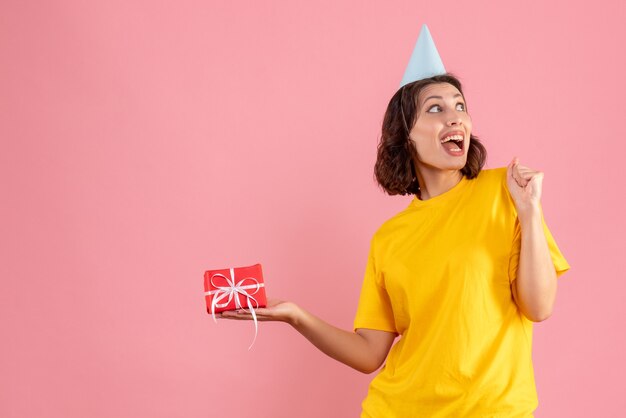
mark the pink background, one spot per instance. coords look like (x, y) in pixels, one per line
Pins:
(146, 142)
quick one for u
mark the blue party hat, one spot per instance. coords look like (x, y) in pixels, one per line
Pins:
(425, 61)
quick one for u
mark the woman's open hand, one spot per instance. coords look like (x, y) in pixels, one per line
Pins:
(524, 185)
(276, 310)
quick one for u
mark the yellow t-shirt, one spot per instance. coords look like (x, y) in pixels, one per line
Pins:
(439, 273)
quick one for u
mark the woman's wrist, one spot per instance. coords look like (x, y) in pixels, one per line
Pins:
(296, 316)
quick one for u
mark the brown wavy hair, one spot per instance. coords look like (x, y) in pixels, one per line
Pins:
(394, 170)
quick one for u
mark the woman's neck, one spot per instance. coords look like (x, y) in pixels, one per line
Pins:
(436, 182)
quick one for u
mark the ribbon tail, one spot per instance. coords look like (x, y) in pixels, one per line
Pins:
(213, 303)
(216, 299)
(256, 326)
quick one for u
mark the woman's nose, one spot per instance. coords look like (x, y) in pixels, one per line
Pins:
(453, 118)
(454, 121)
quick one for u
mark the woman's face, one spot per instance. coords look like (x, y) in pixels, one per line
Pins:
(441, 112)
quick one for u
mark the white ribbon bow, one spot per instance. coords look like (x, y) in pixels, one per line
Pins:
(232, 290)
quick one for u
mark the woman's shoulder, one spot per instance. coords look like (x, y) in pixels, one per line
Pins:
(394, 226)
(494, 174)
(495, 186)
(492, 181)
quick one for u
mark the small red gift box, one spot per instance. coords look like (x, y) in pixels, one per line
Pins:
(234, 288)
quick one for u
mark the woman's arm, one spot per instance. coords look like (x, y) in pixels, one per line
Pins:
(535, 288)
(364, 350)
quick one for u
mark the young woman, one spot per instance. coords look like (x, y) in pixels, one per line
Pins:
(460, 275)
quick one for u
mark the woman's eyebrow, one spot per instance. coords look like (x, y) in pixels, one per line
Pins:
(439, 97)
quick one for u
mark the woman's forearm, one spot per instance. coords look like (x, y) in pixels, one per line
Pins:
(536, 278)
(347, 347)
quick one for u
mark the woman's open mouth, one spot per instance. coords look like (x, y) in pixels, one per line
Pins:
(453, 144)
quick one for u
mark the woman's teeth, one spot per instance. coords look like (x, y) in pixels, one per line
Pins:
(452, 137)
(455, 138)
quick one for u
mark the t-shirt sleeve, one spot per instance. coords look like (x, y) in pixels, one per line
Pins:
(374, 309)
(560, 263)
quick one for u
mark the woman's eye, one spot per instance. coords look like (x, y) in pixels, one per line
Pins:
(462, 105)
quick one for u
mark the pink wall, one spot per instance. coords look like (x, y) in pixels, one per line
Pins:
(145, 142)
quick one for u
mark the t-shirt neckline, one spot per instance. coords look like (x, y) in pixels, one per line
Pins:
(442, 197)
